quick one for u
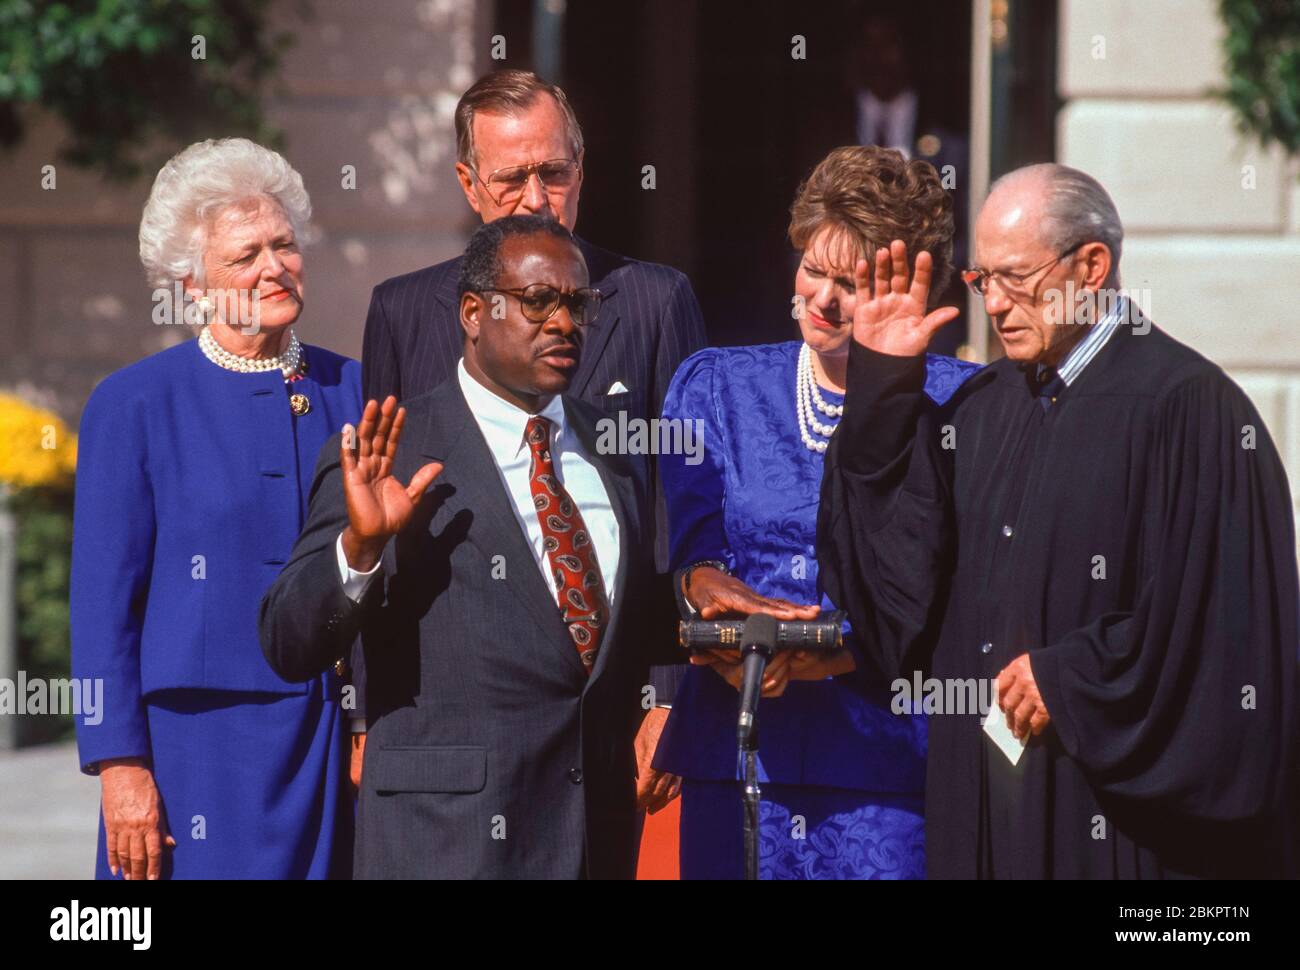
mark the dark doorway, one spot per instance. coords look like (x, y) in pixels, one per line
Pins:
(709, 94)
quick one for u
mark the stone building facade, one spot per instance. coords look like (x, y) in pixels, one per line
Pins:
(1212, 247)
(369, 85)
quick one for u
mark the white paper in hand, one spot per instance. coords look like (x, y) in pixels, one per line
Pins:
(995, 726)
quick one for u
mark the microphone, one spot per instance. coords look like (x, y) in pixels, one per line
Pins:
(823, 634)
(758, 645)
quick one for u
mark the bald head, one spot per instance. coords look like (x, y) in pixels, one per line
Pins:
(1063, 206)
(1046, 235)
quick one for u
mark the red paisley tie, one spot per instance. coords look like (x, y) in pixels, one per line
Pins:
(569, 548)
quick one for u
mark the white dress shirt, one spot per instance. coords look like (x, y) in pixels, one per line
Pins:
(502, 425)
(896, 117)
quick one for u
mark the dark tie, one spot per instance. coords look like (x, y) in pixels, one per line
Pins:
(882, 132)
(569, 549)
(1047, 385)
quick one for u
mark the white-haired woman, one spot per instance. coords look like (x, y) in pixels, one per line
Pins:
(193, 476)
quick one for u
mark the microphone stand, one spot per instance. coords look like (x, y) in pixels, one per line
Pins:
(752, 795)
(755, 658)
(759, 637)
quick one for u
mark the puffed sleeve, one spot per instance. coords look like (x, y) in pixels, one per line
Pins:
(112, 552)
(695, 482)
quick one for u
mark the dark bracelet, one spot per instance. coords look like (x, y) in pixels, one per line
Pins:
(682, 579)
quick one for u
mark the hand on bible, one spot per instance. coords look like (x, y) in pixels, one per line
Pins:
(726, 664)
(1018, 696)
(379, 506)
(715, 594)
(818, 665)
(890, 316)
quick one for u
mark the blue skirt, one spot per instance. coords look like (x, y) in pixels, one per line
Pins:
(804, 833)
(253, 786)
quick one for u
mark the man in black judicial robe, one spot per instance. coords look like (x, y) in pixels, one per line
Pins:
(1101, 522)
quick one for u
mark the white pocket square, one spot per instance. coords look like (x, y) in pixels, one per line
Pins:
(617, 388)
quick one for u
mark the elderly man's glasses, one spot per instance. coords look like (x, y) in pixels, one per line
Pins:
(506, 185)
(540, 301)
(978, 279)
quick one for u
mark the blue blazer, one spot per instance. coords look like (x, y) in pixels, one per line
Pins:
(192, 485)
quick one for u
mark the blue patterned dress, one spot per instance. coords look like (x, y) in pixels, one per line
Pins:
(842, 775)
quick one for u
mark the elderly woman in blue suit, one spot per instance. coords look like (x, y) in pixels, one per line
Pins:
(842, 774)
(193, 478)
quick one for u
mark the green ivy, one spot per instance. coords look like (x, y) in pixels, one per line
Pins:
(44, 564)
(122, 75)
(1262, 47)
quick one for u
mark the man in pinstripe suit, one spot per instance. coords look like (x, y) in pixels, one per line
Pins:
(520, 151)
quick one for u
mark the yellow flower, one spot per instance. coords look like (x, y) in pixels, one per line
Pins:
(36, 448)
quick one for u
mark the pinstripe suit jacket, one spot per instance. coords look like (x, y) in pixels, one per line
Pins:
(649, 323)
(492, 754)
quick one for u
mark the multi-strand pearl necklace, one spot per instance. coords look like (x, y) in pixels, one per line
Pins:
(288, 363)
(806, 395)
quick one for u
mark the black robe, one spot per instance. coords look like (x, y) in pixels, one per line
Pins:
(1169, 668)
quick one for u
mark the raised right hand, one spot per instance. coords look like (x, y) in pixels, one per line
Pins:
(379, 506)
(134, 829)
(890, 316)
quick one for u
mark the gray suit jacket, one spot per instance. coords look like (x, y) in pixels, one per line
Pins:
(649, 323)
(491, 753)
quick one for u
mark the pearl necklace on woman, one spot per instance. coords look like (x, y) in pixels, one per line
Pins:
(288, 363)
(807, 394)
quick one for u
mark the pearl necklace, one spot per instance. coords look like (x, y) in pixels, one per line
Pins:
(287, 363)
(806, 394)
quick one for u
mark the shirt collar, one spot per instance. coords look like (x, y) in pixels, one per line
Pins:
(501, 422)
(1090, 346)
(903, 103)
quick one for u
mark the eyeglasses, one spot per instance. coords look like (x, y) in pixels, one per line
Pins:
(506, 185)
(978, 279)
(540, 301)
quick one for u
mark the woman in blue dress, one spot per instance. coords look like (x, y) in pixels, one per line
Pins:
(842, 776)
(193, 476)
